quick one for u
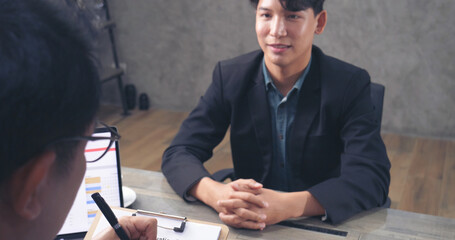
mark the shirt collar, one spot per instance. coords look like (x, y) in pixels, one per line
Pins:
(297, 85)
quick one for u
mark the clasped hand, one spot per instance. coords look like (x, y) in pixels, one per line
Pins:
(246, 204)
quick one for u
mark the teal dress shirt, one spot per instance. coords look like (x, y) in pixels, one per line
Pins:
(282, 111)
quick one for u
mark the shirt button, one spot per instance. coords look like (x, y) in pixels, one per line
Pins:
(281, 136)
(282, 165)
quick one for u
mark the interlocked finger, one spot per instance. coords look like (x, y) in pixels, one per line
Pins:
(249, 198)
(250, 215)
(238, 222)
(247, 185)
(233, 203)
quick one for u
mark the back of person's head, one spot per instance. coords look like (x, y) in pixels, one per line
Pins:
(298, 5)
(49, 85)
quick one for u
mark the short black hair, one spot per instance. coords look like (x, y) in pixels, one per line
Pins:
(298, 5)
(49, 83)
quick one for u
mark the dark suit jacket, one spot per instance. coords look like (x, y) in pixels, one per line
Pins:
(335, 148)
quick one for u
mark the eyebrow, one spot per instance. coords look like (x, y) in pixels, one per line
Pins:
(268, 9)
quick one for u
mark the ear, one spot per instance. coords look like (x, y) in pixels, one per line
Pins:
(321, 20)
(27, 185)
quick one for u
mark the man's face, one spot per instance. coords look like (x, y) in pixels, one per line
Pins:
(285, 37)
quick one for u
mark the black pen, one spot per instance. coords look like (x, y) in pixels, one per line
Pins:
(110, 216)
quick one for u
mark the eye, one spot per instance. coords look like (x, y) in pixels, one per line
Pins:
(293, 16)
(265, 15)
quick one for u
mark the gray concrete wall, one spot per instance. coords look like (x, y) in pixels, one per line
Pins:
(171, 47)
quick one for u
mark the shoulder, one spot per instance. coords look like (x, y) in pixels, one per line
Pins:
(333, 66)
(237, 74)
(241, 65)
(338, 74)
(340, 82)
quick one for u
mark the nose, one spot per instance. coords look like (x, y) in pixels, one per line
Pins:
(278, 27)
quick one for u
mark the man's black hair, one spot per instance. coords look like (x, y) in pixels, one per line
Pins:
(49, 84)
(298, 5)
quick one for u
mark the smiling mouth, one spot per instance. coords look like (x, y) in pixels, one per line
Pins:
(279, 46)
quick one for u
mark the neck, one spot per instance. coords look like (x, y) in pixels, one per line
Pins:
(10, 229)
(14, 227)
(284, 77)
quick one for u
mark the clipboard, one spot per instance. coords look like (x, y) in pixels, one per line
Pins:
(180, 227)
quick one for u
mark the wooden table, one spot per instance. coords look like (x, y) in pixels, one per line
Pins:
(155, 194)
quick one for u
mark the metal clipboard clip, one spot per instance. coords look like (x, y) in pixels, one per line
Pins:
(175, 229)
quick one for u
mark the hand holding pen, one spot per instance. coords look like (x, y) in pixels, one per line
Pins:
(132, 227)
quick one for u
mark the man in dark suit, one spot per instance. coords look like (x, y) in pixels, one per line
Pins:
(304, 137)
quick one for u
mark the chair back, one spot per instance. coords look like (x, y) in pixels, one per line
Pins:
(377, 97)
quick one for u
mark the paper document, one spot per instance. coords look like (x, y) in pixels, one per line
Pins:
(193, 230)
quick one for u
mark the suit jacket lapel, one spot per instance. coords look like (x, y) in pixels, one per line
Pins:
(307, 108)
(260, 115)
